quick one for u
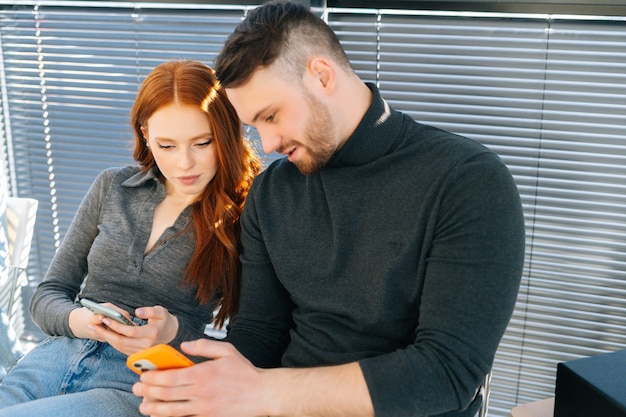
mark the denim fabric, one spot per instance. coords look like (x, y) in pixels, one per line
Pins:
(70, 377)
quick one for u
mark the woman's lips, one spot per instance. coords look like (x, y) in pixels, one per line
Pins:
(188, 180)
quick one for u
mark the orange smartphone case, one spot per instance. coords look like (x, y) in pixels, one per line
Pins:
(157, 357)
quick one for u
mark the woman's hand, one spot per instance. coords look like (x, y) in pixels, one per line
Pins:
(162, 327)
(82, 321)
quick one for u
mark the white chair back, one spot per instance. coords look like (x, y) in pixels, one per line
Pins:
(20, 217)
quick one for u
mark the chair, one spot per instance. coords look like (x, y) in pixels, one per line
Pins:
(20, 217)
(16, 229)
(21, 214)
(484, 392)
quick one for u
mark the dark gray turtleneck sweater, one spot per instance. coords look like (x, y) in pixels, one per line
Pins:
(405, 254)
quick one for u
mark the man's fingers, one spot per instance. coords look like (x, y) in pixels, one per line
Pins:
(170, 409)
(206, 348)
(160, 400)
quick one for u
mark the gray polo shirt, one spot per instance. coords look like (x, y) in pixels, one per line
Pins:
(104, 249)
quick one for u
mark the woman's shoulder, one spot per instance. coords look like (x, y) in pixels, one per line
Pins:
(128, 170)
(124, 172)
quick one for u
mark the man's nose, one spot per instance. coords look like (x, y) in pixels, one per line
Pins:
(270, 141)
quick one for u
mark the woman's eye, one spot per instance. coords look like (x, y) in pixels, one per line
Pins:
(269, 118)
(165, 146)
(206, 143)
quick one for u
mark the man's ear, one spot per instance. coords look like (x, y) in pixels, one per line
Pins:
(323, 72)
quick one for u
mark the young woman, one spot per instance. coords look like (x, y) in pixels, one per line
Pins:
(158, 242)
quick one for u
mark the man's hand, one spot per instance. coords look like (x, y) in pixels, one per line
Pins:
(229, 385)
(226, 385)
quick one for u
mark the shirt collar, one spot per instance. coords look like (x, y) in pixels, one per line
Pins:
(141, 178)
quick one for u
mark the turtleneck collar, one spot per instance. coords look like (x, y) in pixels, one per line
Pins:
(373, 137)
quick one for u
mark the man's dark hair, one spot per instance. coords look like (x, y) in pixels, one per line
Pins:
(277, 30)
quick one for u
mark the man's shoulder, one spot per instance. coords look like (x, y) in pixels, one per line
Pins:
(433, 134)
(279, 170)
(279, 183)
(434, 143)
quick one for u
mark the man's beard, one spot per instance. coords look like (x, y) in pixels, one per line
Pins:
(320, 141)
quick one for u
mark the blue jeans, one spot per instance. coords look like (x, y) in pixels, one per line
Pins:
(64, 377)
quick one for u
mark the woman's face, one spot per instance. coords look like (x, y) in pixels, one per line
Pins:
(181, 141)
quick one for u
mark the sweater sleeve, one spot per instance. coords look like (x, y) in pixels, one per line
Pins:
(188, 330)
(260, 330)
(471, 283)
(55, 296)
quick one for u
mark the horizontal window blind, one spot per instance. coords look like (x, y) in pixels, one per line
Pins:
(72, 76)
(547, 93)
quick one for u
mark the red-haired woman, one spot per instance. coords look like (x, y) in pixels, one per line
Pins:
(158, 242)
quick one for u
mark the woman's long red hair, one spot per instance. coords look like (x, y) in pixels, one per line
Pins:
(214, 266)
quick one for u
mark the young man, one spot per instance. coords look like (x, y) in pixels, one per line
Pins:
(381, 257)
